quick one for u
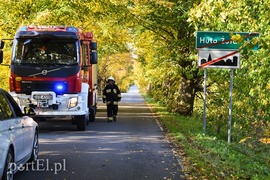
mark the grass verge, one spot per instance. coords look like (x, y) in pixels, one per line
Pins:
(208, 157)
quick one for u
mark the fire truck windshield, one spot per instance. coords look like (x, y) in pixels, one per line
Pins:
(44, 52)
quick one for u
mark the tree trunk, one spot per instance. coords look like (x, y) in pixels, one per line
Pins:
(186, 96)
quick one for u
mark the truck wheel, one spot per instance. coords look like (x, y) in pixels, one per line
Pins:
(92, 115)
(81, 122)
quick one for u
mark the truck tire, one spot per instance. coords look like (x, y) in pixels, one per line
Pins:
(81, 122)
(92, 114)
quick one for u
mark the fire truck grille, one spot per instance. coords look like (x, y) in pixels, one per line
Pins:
(57, 87)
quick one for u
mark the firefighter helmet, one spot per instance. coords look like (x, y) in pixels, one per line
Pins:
(111, 78)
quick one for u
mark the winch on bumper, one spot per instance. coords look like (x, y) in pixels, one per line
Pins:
(46, 104)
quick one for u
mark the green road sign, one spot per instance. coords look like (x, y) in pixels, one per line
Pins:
(222, 40)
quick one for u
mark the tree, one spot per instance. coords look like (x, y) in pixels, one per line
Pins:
(251, 81)
(99, 17)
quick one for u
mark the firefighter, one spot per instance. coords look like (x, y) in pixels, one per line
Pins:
(111, 96)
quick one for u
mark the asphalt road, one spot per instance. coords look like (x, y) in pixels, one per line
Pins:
(133, 148)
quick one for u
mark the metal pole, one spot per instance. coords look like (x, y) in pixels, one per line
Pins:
(230, 107)
(204, 99)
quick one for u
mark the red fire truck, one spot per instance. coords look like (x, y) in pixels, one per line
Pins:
(53, 72)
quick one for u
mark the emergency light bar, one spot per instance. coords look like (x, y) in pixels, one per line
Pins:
(48, 28)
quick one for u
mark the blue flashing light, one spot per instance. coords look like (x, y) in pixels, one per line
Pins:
(60, 87)
(23, 28)
(72, 29)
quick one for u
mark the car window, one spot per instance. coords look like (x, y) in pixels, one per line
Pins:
(2, 113)
(5, 110)
(16, 109)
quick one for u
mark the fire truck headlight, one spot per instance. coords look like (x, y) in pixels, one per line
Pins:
(72, 102)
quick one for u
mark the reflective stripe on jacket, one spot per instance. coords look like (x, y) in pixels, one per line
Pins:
(111, 94)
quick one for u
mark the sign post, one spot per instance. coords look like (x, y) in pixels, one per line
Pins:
(218, 50)
(204, 102)
(230, 107)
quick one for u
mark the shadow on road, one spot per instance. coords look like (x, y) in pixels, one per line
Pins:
(133, 147)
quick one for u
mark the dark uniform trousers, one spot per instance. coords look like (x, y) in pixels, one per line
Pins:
(112, 110)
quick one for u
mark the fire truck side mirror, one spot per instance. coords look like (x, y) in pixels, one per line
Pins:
(93, 55)
(2, 44)
(1, 56)
(93, 46)
(1, 52)
(93, 58)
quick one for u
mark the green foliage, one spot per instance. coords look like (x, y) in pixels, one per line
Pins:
(103, 18)
(4, 74)
(120, 66)
(169, 58)
(152, 44)
(209, 157)
(4, 70)
(251, 81)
